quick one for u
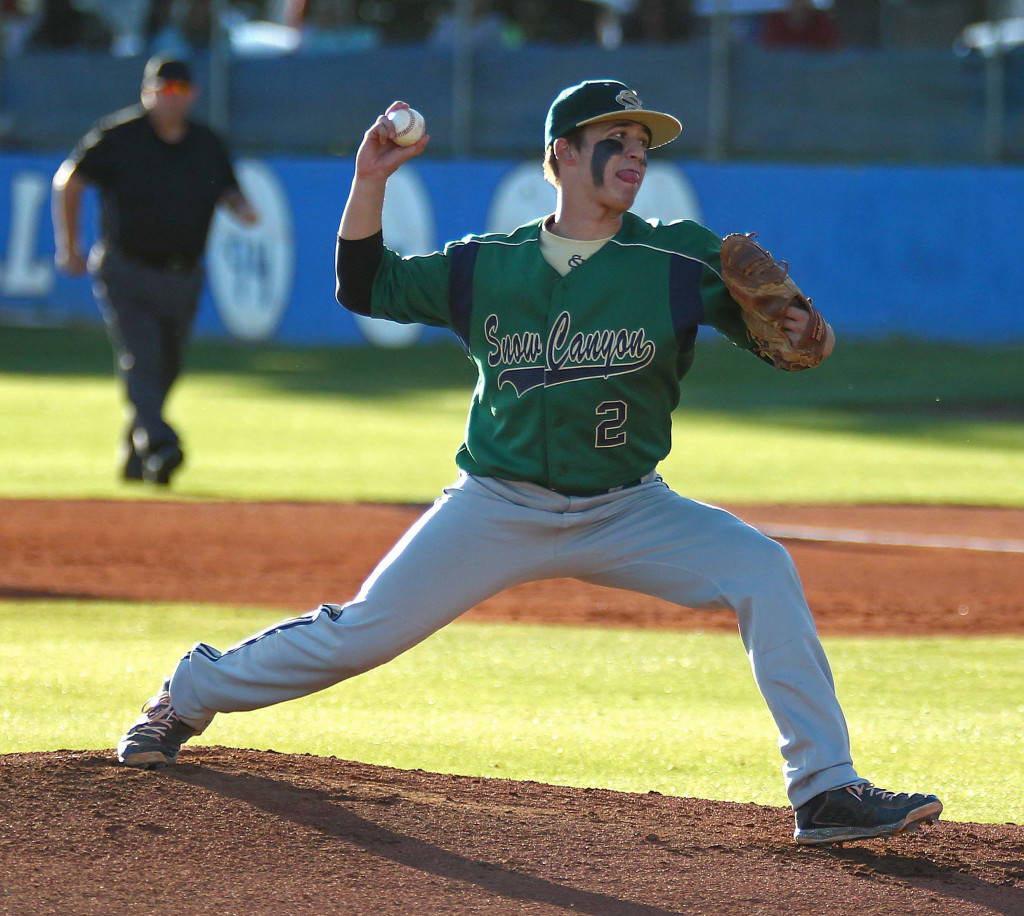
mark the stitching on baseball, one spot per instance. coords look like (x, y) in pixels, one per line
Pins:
(408, 127)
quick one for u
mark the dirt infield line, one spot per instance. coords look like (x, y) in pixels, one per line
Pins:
(889, 538)
(297, 555)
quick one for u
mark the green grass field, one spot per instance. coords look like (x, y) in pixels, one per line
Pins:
(678, 713)
(903, 423)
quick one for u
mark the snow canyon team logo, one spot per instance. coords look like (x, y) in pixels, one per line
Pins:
(567, 356)
(629, 100)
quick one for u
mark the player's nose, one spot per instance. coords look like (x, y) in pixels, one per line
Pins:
(637, 150)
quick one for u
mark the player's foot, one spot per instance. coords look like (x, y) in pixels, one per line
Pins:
(861, 812)
(155, 739)
(131, 469)
(158, 466)
(130, 461)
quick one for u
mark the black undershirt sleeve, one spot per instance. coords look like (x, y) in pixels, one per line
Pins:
(356, 263)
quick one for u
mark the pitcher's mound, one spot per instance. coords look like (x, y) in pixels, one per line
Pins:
(256, 832)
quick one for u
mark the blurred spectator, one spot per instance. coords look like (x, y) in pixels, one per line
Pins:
(331, 27)
(177, 28)
(532, 19)
(487, 27)
(289, 12)
(197, 23)
(15, 24)
(545, 22)
(126, 20)
(620, 22)
(608, 22)
(801, 25)
(656, 21)
(159, 30)
(62, 25)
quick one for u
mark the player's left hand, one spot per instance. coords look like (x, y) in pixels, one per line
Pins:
(795, 321)
(783, 326)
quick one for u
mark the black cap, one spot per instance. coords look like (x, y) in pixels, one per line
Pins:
(594, 101)
(166, 68)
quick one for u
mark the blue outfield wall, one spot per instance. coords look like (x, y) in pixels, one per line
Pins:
(921, 252)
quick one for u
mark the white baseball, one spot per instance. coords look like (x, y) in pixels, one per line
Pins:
(409, 125)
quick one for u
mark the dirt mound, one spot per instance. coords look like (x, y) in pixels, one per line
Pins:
(232, 832)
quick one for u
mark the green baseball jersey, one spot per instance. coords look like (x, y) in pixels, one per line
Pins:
(577, 375)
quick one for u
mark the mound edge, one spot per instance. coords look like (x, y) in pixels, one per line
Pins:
(240, 831)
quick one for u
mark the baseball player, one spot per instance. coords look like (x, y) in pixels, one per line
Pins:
(581, 325)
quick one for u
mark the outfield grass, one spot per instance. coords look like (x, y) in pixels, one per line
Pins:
(895, 422)
(677, 713)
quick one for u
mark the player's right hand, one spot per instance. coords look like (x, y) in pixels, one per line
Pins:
(379, 156)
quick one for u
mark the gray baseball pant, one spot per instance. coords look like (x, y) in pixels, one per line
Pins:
(485, 535)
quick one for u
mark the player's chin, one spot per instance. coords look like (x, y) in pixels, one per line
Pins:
(625, 194)
(626, 183)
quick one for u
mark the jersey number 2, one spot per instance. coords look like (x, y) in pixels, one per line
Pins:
(609, 431)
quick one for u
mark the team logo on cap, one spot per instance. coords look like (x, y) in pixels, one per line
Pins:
(629, 100)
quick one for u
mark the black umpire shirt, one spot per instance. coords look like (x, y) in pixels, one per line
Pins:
(157, 198)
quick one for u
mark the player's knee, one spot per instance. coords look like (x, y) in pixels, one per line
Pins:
(354, 642)
(767, 559)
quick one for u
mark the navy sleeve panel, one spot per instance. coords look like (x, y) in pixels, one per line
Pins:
(685, 299)
(356, 263)
(462, 261)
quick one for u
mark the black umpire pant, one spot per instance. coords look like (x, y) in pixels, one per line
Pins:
(149, 312)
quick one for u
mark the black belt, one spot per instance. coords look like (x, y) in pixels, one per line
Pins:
(174, 263)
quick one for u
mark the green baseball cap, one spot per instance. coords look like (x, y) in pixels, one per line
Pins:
(594, 101)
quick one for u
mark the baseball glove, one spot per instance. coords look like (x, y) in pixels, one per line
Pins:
(764, 290)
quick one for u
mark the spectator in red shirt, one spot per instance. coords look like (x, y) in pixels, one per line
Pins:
(801, 25)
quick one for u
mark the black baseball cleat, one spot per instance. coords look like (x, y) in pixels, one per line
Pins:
(131, 463)
(154, 740)
(131, 471)
(862, 812)
(158, 466)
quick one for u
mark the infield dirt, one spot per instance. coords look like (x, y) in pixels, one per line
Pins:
(235, 831)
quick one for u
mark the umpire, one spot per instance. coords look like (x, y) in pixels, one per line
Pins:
(160, 177)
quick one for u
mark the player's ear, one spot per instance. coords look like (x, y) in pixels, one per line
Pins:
(563, 150)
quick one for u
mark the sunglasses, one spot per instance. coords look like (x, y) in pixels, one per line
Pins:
(172, 87)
